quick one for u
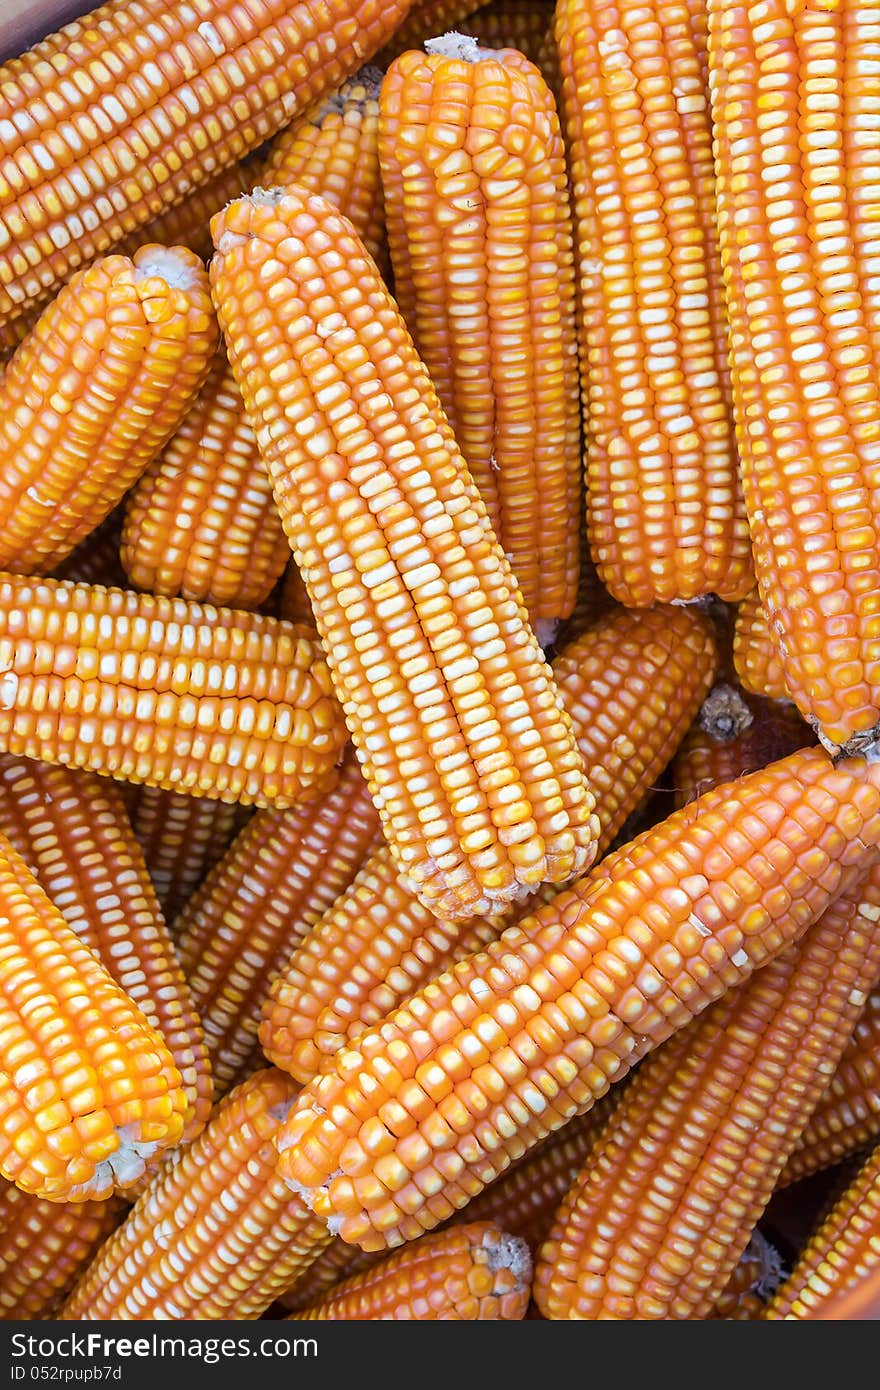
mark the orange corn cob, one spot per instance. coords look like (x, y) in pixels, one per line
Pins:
(479, 228)
(217, 1233)
(844, 1250)
(283, 871)
(202, 521)
(755, 654)
(473, 1272)
(734, 733)
(333, 149)
(181, 695)
(665, 514)
(469, 756)
(757, 1274)
(44, 1246)
(424, 20)
(182, 838)
(97, 387)
(631, 686)
(847, 1118)
(187, 222)
(90, 1090)
(519, 24)
(793, 104)
(655, 1223)
(413, 1119)
(131, 108)
(72, 831)
(95, 560)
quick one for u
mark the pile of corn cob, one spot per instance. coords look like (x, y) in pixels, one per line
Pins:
(440, 661)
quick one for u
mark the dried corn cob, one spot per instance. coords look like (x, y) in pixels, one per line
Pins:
(333, 149)
(282, 873)
(734, 733)
(847, 1118)
(202, 520)
(187, 222)
(102, 380)
(665, 514)
(44, 1247)
(844, 1250)
(468, 753)
(72, 831)
(425, 19)
(758, 1273)
(797, 208)
(90, 1090)
(182, 838)
(755, 654)
(413, 1119)
(654, 1225)
(181, 695)
(216, 1233)
(631, 686)
(479, 227)
(96, 559)
(519, 24)
(474, 1272)
(130, 109)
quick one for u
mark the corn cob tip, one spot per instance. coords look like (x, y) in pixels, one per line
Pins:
(545, 630)
(124, 1167)
(455, 45)
(772, 1267)
(724, 714)
(369, 77)
(513, 1254)
(862, 745)
(180, 268)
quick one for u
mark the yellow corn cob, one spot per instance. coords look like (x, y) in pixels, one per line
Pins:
(654, 1224)
(202, 521)
(44, 1246)
(519, 24)
(187, 222)
(473, 1272)
(182, 838)
(631, 686)
(90, 1090)
(417, 1115)
(101, 381)
(72, 831)
(797, 168)
(216, 1233)
(844, 1250)
(124, 112)
(734, 733)
(424, 20)
(283, 871)
(847, 1118)
(333, 149)
(757, 1274)
(181, 695)
(467, 751)
(755, 654)
(95, 560)
(665, 514)
(479, 228)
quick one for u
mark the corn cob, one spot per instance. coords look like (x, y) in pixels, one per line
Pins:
(95, 560)
(860, 1302)
(468, 754)
(755, 654)
(90, 1090)
(631, 686)
(797, 210)
(333, 149)
(479, 228)
(473, 1272)
(216, 1233)
(844, 1250)
(424, 20)
(102, 380)
(130, 109)
(665, 513)
(44, 1246)
(519, 24)
(281, 874)
(654, 1226)
(202, 522)
(847, 1118)
(757, 1274)
(413, 1119)
(72, 831)
(181, 695)
(734, 733)
(182, 838)
(187, 222)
